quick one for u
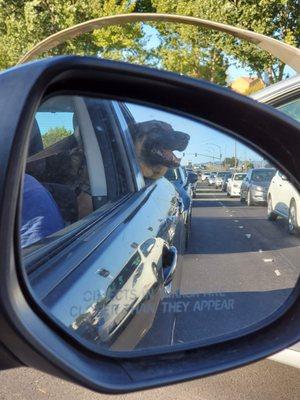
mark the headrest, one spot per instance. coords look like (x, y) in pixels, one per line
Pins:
(36, 143)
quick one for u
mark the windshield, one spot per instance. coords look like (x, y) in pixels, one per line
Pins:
(292, 109)
(262, 176)
(221, 174)
(239, 177)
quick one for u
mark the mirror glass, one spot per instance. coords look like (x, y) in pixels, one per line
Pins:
(142, 229)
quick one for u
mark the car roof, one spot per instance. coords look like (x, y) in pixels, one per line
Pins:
(264, 169)
(274, 93)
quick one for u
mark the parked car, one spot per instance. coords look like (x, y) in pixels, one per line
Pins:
(220, 179)
(284, 201)
(225, 181)
(255, 186)
(234, 184)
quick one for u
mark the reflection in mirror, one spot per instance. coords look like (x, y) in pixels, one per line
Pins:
(193, 240)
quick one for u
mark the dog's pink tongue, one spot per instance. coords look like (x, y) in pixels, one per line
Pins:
(169, 155)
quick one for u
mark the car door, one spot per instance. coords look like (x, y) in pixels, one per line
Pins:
(172, 220)
(117, 252)
(283, 194)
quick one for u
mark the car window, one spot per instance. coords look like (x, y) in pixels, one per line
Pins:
(280, 174)
(71, 168)
(262, 176)
(239, 177)
(292, 109)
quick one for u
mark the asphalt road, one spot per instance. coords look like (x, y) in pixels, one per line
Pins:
(238, 270)
(265, 380)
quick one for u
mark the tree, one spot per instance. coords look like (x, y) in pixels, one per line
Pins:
(54, 135)
(274, 18)
(198, 52)
(23, 23)
(230, 162)
(247, 165)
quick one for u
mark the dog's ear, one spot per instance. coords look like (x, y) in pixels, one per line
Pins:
(148, 126)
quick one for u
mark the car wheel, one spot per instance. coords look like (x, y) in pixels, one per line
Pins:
(293, 227)
(249, 199)
(271, 215)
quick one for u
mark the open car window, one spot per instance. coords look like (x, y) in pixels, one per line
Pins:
(74, 167)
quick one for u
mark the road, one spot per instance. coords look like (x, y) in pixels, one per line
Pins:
(239, 268)
(265, 380)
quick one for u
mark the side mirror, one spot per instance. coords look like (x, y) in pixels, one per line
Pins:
(96, 300)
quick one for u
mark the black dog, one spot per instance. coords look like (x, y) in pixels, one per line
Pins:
(155, 142)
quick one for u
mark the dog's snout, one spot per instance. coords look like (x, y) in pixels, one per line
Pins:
(182, 140)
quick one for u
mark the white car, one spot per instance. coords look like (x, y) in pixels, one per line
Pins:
(205, 176)
(234, 184)
(211, 180)
(220, 179)
(284, 201)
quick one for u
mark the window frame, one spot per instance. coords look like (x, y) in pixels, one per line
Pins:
(37, 254)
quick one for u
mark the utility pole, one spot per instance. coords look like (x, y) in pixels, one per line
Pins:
(235, 156)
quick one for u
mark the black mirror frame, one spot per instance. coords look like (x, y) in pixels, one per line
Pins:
(35, 340)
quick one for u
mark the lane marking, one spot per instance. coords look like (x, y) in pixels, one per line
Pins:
(277, 272)
(268, 260)
(248, 235)
(236, 220)
(260, 251)
(241, 227)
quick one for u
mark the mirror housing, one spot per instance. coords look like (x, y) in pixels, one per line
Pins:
(26, 331)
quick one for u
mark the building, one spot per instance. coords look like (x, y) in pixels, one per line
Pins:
(246, 85)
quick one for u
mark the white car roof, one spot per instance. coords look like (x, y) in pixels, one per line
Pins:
(278, 90)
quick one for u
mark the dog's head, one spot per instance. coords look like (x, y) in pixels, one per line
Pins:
(155, 142)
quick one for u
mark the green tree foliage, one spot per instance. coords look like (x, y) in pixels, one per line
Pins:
(247, 165)
(279, 19)
(185, 49)
(23, 23)
(54, 135)
(230, 162)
